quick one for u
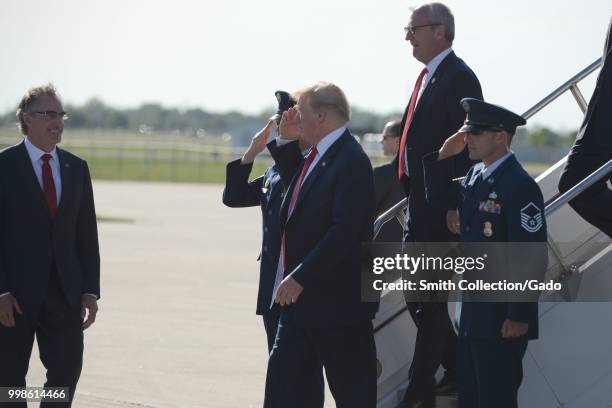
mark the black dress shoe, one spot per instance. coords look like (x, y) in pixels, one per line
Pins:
(447, 385)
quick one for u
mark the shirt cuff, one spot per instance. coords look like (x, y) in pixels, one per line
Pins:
(91, 294)
(280, 141)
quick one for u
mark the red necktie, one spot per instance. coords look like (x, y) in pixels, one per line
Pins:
(49, 185)
(294, 196)
(413, 100)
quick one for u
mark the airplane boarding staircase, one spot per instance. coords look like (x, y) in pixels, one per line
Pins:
(570, 365)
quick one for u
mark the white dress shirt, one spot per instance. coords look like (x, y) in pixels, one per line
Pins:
(322, 147)
(487, 171)
(432, 66)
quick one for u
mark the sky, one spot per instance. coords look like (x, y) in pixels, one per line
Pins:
(223, 55)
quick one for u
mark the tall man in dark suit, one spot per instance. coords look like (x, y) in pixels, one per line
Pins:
(267, 192)
(327, 213)
(433, 114)
(49, 258)
(389, 191)
(592, 149)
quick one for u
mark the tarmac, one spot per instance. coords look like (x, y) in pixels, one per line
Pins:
(177, 324)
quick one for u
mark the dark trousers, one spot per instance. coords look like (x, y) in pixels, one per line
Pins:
(490, 372)
(436, 343)
(594, 203)
(270, 321)
(57, 328)
(295, 375)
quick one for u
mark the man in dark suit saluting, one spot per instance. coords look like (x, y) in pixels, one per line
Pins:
(432, 115)
(327, 213)
(49, 258)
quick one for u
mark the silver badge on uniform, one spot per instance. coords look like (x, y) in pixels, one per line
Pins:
(493, 195)
(531, 218)
(488, 229)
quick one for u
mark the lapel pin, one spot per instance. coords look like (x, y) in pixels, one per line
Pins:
(490, 180)
(493, 195)
(323, 164)
(433, 80)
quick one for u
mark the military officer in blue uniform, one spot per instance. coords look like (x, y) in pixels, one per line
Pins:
(267, 192)
(497, 202)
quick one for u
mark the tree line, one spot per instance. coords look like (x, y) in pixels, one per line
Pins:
(153, 117)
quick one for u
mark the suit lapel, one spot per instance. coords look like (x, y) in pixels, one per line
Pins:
(433, 82)
(26, 172)
(284, 210)
(276, 185)
(66, 175)
(318, 170)
(474, 195)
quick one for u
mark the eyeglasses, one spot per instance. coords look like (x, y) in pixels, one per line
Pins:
(50, 115)
(412, 29)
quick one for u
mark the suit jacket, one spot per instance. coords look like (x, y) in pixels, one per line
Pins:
(595, 134)
(437, 116)
(266, 191)
(33, 245)
(506, 207)
(389, 192)
(333, 215)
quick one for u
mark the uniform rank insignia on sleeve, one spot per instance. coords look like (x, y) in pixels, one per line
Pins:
(531, 218)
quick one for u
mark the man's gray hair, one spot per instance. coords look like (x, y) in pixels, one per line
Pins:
(326, 95)
(30, 98)
(438, 13)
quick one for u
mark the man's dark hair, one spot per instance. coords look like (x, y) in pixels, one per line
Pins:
(29, 99)
(396, 128)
